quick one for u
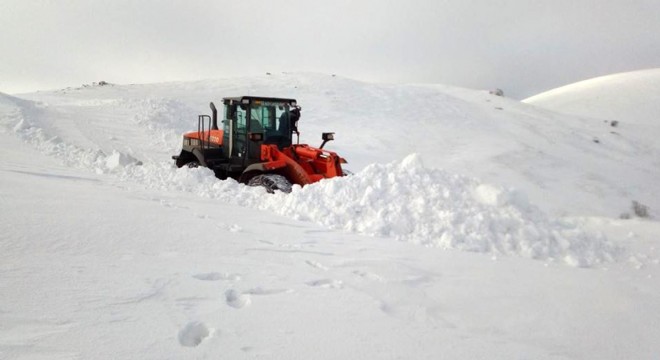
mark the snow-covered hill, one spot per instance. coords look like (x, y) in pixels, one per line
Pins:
(630, 98)
(469, 200)
(628, 102)
(566, 165)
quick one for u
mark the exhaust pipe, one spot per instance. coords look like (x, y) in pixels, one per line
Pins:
(214, 125)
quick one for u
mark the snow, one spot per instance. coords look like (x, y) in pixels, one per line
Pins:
(475, 226)
(628, 97)
(628, 103)
(408, 202)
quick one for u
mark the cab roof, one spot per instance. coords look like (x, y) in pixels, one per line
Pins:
(240, 99)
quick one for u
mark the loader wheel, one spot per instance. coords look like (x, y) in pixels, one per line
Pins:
(193, 164)
(271, 182)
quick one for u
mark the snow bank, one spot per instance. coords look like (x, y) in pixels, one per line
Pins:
(29, 121)
(408, 202)
(72, 155)
(431, 207)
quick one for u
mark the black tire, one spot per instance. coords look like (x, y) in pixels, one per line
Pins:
(192, 164)
(271, 182)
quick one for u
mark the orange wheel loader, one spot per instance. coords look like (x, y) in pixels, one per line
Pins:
(255, 145)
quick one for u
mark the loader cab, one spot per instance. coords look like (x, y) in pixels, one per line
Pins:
(252, 121)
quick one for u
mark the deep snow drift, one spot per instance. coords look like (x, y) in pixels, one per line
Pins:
(109, 251)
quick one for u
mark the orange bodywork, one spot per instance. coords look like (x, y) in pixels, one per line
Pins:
(302, 164)
(212, 136)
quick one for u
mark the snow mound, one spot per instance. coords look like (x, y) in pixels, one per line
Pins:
(117, 160)
(431, 207)
(409, 202)
(72, 155)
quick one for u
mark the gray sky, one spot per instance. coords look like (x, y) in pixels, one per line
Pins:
(521, 46)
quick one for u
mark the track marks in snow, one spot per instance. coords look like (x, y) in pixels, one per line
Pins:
(326, 283)
(316, 265)
(20, 331)
(397, 289)
(157, 290)
(369, 275)
(239, 300)
(215, 276)
(194, 333)
(262, 291)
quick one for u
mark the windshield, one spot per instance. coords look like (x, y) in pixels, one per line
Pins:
(271, 119)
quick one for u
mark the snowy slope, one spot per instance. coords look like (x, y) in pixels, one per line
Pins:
(628, 102)
(630, 98)
(109, 252)
(554, 159)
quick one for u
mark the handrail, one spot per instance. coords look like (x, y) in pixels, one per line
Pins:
(201, 130)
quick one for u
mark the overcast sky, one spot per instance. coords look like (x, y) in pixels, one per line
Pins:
(521, 46)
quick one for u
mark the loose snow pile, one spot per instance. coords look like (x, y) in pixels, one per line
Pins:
(409, 202)
(70, 154)
(33, 123)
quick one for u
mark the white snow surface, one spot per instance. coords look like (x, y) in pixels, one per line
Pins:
(491, 224)
(631, 98)
(628, 102)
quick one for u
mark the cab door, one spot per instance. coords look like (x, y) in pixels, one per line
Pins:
(235, 130)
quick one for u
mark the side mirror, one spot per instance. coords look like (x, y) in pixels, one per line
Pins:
(329, 136)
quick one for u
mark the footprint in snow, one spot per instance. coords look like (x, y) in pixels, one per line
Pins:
(326, 283)
(368, 275)
(236, 299)
(215, 276)
(194, 333)
(315, 264)
(262, 291)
